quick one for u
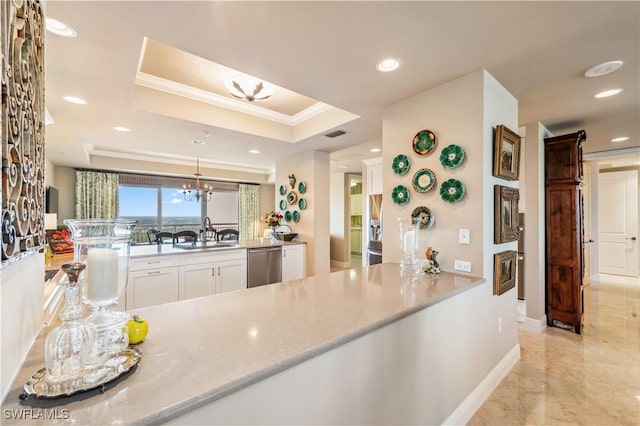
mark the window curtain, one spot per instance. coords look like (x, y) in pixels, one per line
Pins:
(96, 195)
(249, 211)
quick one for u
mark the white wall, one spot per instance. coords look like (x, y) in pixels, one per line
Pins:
(462, 112)
(267, 197)
(21, 313)
(65, 178)
(534, 223)
(339, 225)
(313, 168)
(49, 173)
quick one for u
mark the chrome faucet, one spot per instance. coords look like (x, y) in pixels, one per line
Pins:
(284, 224)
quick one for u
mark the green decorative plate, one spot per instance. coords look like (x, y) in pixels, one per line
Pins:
(401, 164)
(424, 180)
(302, 204)
(451, 156)
(283, 189)
(287, 216)
(424, 142)
(292, 197)
(283, 205)
(302, 187)
(452, 190)
(400, 195)
(424, 215)
(296, 216)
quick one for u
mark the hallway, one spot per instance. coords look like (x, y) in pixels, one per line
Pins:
(565, 378)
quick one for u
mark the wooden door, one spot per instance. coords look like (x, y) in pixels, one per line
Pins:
(618, 219)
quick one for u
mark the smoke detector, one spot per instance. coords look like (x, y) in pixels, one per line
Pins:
(603, 69)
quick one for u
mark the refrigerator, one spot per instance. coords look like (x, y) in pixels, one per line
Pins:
(521, 256)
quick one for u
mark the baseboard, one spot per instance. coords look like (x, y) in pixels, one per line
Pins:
(536, 325)
(522, 310)
(479, 395)
(337, 264)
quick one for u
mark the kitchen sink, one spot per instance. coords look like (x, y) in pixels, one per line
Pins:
(205, 245)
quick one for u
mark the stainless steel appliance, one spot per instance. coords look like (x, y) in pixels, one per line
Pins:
(521, 256)
(374, 252)
(264, 266)
(374, 247)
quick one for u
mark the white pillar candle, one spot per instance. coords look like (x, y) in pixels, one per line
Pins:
(102, 275)
(409, 241)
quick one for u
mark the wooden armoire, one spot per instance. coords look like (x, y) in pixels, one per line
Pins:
(564, 230)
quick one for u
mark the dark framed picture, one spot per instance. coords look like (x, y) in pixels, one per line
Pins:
(505, 214)
(504, 271)
(506, 154)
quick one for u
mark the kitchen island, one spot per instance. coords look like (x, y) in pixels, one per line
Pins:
(356, 346)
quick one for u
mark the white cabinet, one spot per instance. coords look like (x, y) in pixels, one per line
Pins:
(356, 241)
(162, 279)
(294, 262)
(152, 287)
(374, 176)
(356, 205)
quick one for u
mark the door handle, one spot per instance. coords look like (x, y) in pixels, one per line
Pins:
(218, 271)
(631, 238)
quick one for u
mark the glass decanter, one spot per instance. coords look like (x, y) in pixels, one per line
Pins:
(66, 344)
(104, 244)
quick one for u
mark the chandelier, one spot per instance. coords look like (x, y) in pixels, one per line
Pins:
(249, 88)
(198, 192)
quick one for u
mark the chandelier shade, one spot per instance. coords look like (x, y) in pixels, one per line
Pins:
(249, 88)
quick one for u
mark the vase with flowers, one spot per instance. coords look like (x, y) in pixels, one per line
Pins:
(272, 219)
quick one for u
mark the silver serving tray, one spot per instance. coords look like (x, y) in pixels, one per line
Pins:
(39, 386)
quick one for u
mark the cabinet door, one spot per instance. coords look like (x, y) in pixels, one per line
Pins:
(293, 262)
(152, 287)
(197, 280)
(231, 275)
(374, 179)
(356, 205)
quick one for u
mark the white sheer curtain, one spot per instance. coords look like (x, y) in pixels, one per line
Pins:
(249, 211)
(96, 195)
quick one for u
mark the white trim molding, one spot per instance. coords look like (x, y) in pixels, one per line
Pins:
(536, 325)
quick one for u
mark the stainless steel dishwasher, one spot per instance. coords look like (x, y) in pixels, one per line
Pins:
(264, 266)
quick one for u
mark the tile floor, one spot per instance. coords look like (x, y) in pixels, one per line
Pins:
(566, 378)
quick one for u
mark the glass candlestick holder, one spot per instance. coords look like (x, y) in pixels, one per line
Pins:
(104, 245)
(409, 265)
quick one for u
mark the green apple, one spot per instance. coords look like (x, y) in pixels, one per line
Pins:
(138, 329)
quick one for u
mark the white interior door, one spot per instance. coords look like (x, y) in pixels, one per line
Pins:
(618, 218)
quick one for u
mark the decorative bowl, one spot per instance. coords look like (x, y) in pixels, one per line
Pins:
(285, 236)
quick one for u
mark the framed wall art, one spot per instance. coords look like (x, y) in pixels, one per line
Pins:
(504, 271)
(505, 214)
(506, 154)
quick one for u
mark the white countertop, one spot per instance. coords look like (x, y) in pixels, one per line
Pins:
(202, 349)
(166, 249)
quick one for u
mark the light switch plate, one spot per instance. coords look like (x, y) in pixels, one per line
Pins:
(463, 236)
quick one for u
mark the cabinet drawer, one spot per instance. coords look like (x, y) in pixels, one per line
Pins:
(210, 256)
(156, 262)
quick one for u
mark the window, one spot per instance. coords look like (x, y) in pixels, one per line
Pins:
(178, 214)
(139, 203)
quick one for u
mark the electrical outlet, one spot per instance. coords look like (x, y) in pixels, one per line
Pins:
(461, 265)
(463, 236)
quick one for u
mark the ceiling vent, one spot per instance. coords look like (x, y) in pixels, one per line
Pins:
(335, 134)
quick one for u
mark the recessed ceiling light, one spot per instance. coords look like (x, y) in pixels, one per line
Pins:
(608, 93)
(620, 139)
(197, 142)
(387, 65)
(343, 166)
(74, 100)
(60, 28)
(121, 129)
(254, 151)
(603, 69)
(375, 150)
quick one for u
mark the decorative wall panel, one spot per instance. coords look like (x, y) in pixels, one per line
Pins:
(22, 127)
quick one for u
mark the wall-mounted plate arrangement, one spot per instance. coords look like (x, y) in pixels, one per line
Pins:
(287, 216)
(283, 189)
(292, 197)
(451, 156)
(400, 195)
(424, 142)
(425, 215)
(283, 205)
(302, 204)
(302, 187)
(401, 165)
(296, 216)
(424, 180)
(452, 190)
